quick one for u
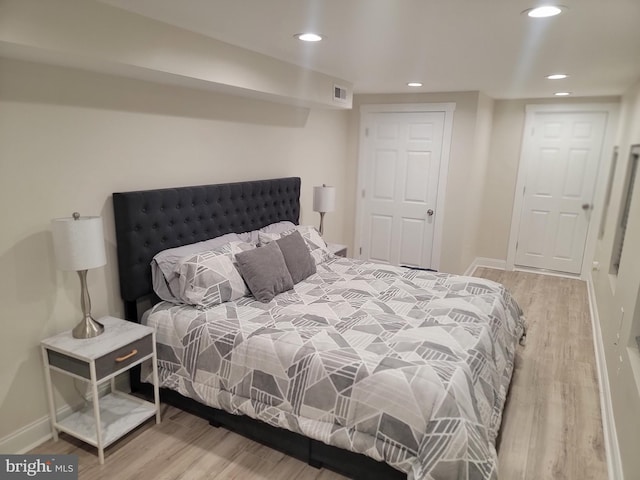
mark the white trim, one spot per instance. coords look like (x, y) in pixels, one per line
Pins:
(483, 262)
(448, 108)
(612, 449)
(549, 273)
(570, 107)
(30, 436)
(408, 107)
(611, 109)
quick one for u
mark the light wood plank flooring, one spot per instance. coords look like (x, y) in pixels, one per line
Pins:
(552, 427)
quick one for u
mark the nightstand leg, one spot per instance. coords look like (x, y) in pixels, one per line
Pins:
(156, 383)
(96, 411)
(52, 405)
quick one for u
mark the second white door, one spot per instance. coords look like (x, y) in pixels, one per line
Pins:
(402, 157)
(561, 153)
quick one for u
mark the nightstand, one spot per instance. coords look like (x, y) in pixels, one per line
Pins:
(337, 249)
(96, 360)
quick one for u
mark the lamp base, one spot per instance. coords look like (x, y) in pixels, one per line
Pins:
(87, 328)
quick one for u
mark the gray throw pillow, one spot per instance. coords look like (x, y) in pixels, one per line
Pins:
(297, 256)
(265, 271)
(316, 244)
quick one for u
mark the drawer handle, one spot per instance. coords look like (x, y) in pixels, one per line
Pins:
(128, 356)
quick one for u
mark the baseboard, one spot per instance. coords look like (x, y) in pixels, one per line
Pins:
(614, 462)
(30, 436)
(486, 263)
(36, 433)
(550, 273)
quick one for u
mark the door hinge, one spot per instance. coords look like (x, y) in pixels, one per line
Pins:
(524, 190)
(517, 243)
(366, 132)
(363, 193)
(533, 131)
(360, 250)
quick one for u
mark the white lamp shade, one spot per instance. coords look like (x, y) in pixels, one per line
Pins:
(78, 244)
(324, 199)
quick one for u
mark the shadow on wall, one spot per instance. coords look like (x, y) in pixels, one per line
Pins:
(78, 88)
(28, 295)
(115, 304)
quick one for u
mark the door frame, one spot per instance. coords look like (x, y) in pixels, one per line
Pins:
(448, 109)
(611, 110)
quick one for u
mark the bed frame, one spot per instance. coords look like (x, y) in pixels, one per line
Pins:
(150, 221)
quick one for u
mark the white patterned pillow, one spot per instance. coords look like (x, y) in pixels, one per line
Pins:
(233, 248)
(210, 278)
(317, 246)
(163, 265)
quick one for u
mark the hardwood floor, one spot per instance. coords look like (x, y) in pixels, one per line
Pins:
(184, 447)
(552, 427)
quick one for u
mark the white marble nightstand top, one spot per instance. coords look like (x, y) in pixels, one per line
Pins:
(335, 247)
(117, 333)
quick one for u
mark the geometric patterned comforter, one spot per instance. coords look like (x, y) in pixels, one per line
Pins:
(409, 367)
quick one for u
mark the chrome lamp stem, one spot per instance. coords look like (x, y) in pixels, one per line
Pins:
(321, 229)
(88, 327)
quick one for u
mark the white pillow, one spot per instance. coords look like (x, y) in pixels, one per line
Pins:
(164, 279)
(317, 246)
(278, 227)
(209, 278)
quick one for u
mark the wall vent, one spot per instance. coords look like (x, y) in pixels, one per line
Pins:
(339, 94)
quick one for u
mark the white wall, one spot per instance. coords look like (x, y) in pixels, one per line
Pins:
(69, 138)
(613, 296)
(476, 180)
(98, 37)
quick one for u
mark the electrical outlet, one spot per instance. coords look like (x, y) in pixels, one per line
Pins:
(619, 365)
(617, 342)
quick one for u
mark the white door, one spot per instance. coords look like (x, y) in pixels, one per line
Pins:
(402, 157)
(561, 153)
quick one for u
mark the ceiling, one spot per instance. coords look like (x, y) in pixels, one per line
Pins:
(448, 45)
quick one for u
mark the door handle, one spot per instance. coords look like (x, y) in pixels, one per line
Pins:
(586, 206)
(430, 212)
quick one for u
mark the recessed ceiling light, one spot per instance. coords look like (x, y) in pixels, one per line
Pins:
(562, 94)
(544, 11)
(308, 37)
(557, 76)
(414, 84)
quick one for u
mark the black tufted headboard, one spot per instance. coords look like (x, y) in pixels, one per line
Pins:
(150, 221)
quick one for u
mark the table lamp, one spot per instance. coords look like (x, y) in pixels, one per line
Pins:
(79, 245)
(324, 200)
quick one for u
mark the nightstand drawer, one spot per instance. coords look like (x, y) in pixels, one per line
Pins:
(123, 356)
(106, 364)
(69, 364)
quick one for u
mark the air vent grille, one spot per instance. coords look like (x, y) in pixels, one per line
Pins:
(339, 94)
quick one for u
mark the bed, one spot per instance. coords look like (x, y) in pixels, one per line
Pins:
(371, 370)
